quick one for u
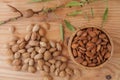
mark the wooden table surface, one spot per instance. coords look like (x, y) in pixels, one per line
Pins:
(112, 26)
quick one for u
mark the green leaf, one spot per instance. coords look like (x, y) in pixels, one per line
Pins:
(1, 22)
(92, 12)
(105, 16)
(62, 32)
(49, 9)
(40, 0)
(74, 3)
(69, 25)
(74, 13)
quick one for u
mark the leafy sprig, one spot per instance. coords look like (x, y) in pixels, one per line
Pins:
(69, 26)
(105, 16)
(61, 32)
(75, 13)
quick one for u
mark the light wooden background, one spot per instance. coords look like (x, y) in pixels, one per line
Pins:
(112, 26)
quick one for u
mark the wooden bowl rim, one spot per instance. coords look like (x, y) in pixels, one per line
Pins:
(70, 51)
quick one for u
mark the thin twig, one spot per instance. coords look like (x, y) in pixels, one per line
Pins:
(16, 10)
(14, 18)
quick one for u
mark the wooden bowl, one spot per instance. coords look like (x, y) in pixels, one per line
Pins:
(80, 65)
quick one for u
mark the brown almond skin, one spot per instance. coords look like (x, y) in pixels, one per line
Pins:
(24, 67)
(17, 68)
(38, 37)
(42, 32)
(26, 55)
(63, 66)
(79, 33)
(98, 41)
(56, 53)
(28, 13)
(98, 61)
(47, 77)
(100, 57)
(20, 40)
(61, 58)
(28, 36)
(79, 54)
(43, 44)
(48, 64)
(89, 54)
(26, 60)
(57, 72)
(81, 44)
(88, 60)
(42, 50)
(102, 36)
(96, 31)
(31, 62)
(84, 34)
(52, 61)
(91, 33)
(16, 62)
(34, 36)
(36, 28)
(47, 55)
(29, 50)
(31, 69)
(43, 39)
(75, 54)
(46, 68)
(98, 48)
(52, 68)
(82, 48)
(94, 48)
(58, 46)
(107, 55)
(33, 54)
(85, 41)
(40, 64)
(17, 55)
(84, 63)
(38, 56)
(69, 71)
(15, 48)
(22, 45)
(52, 44)
(52, 50)
(29, 28)
(76, 71)
(21, 50)
(90, 44)
(94, 61)
(89, 38)
(94, 39)
(57, 64)
(79, 59)
(62, 73)
(74, 46)
(33, 43)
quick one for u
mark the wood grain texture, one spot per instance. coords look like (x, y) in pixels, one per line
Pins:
(112, 26)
